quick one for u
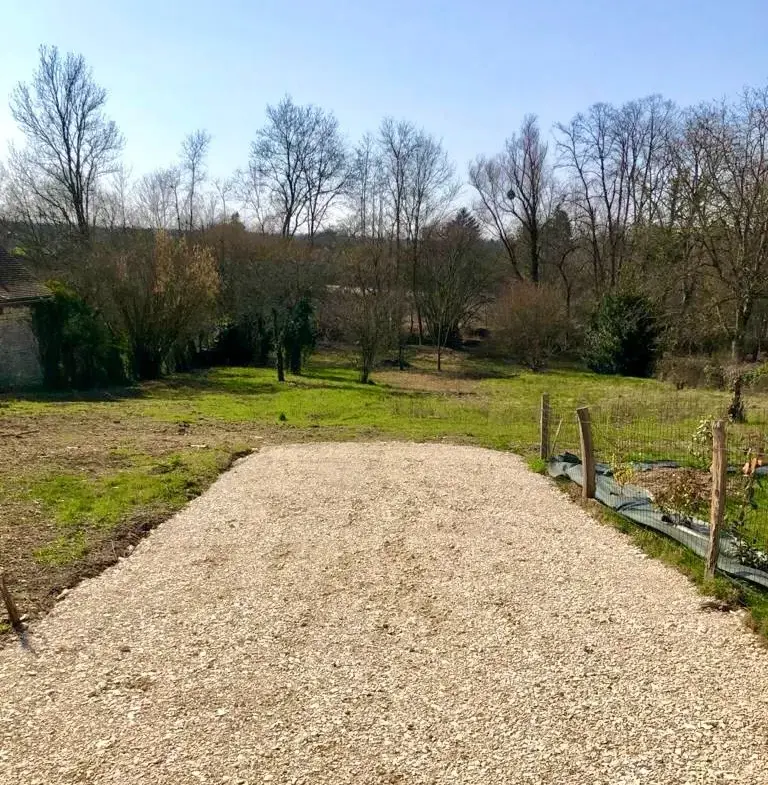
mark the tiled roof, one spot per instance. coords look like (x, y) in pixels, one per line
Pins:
(17, 285)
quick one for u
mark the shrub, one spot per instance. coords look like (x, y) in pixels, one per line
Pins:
(623, 337)
(77, 350)
(162, 293)
(246, 342)
(687, 372)
(684, 495)
(529, 325)
(299, 334)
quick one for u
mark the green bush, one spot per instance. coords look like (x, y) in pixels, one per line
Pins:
(299, 334)
(77, 350)
(246, 342)
(623, 337)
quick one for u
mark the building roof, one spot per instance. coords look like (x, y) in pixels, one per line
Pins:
(17, 285)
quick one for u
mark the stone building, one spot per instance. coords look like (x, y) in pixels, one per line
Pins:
(19, 291)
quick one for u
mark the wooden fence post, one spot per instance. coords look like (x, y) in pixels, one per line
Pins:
(717, 506)
(587, 454)
(544, 440)
(13, 612)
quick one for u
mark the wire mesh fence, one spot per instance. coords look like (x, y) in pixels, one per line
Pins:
(653, 465)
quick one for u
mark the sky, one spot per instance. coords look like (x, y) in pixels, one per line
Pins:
(467, 72)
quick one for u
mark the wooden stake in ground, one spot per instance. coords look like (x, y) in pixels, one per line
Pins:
(544, 441)
(587, 454)
(13, 612)
(717, 506)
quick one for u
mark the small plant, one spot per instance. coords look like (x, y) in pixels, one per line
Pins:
(538, 465)
(684, 496)
(741, 495)
(623, 472)
(700, 446)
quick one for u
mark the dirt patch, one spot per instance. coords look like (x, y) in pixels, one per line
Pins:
(90, 446)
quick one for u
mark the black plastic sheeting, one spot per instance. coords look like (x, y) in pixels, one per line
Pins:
(635, 503)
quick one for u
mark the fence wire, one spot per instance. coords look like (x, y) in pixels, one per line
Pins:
(653, 465)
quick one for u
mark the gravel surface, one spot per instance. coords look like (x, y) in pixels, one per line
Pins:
(385, 613)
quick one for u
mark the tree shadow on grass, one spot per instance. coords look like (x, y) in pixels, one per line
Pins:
(240, 382)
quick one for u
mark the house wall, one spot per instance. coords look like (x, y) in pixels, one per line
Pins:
(19, 362)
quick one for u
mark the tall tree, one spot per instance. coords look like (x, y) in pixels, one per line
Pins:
(325, 169)
(194, 151)
(727, 185)
(453, 279)
(515, 190)
(70, 143)
(299, 158)
(431, 188)
(367, 191)
(619, 165)
(528, 177)
(157, 199)
(397, 144)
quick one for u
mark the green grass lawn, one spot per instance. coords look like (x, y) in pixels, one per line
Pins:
(81, 467)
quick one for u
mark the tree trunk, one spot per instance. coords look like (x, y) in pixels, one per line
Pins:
(280, 365)
(294, 360)
(534, 239)
(147, 363)
(278, 349)
(740, 331)
(365, 370)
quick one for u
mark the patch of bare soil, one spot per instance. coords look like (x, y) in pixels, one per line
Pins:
(94, 446)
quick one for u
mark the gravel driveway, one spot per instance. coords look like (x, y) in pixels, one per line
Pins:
(385, 613)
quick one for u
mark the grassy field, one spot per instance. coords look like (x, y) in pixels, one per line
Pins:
(83, 478)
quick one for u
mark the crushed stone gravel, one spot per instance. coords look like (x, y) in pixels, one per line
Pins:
(385, 613)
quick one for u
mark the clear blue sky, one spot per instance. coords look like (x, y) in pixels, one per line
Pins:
(465, 71)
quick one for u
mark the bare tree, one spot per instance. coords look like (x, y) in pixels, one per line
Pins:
(114, 197)
(487, 177)
(250, 190)
(366, 304)
(157, 199)
(299, 158)
(276, 159)
(453, 279)
(420, 184)
(397, 142)
(619, 164)
(325, 169)
(516, 195)
(194, 150)
(431, 188)
(528, 176)
(70, 142)
(366, 192)
(727, 186)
